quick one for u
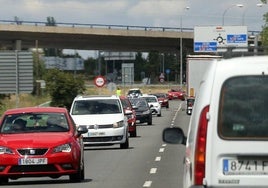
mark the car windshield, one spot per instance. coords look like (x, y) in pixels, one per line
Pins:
(150, 99)
(100, 106)
(34, 122)
(126, 104)
(138, 102)
(134, 92)
(159, 95)
(243, 110)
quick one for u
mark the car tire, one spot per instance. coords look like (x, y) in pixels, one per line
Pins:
(159, 115)
(3, 180)
(150, 122)
(80, 175)
(125, 145)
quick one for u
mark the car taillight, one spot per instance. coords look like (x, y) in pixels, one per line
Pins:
(200, 150)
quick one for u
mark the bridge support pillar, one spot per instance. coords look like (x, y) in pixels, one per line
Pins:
(17, 45)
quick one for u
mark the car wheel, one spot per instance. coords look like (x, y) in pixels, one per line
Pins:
(3, 181)
(125, 145)
(150, 122)
(80, 175)
(159, 114)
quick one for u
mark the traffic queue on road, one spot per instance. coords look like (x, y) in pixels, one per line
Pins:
(50, 141)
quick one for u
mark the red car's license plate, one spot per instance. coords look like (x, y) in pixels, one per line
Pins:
(32, 161)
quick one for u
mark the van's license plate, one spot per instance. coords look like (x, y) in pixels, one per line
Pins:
(245, 167)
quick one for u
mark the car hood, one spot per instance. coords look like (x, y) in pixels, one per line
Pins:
(28, 140)
(97, 119)
(142, 109)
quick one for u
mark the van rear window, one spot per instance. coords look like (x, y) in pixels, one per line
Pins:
(243, 112)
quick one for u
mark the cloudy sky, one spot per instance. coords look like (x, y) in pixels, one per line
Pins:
(160, 13)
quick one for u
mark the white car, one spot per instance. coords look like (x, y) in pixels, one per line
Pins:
(104, 118)
(154, 104)
(228, 130)
(134, 93)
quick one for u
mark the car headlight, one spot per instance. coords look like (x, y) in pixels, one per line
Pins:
(5, 150)
(118, 124)
(63, 148)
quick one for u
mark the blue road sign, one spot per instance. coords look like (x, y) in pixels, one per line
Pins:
(240, 38)
(205, 46)
(167, 71)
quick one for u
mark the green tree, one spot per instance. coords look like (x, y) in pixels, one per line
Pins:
(153, 65)
(264, 33)
(139, 66)
(51, 21)
(52, 51)
(63, 87)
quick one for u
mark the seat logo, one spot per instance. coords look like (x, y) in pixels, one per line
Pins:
(32, 151)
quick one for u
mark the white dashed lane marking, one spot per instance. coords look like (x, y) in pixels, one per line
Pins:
(147, 184)
(153, 170)
(161, 150)
(157, 159)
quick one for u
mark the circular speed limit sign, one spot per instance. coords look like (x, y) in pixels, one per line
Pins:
(99, 81)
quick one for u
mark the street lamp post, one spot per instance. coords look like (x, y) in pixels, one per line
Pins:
(235, 5)
(186, 8)
(244, 13)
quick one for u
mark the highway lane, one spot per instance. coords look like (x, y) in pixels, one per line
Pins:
(147, 163)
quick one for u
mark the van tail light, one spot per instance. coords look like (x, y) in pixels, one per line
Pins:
(200, 150)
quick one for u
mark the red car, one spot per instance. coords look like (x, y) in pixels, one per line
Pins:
(131, 116)
(163, 99)
(176, 94)
(40, 141)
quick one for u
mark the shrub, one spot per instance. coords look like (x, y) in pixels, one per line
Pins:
(63, 87)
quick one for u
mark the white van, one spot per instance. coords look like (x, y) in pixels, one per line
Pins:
(105, 119)
(227, 141)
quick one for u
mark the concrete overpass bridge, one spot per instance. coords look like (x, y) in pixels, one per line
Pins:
(23, 35)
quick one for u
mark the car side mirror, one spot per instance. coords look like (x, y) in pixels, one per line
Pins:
(174, 135)
(81, 130)
(128, 112)
(135, 107)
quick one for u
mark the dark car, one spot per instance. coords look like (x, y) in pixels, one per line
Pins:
(131, 116)
(163, 99)
(143, 112)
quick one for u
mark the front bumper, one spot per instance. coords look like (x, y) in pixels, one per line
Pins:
(105, 136)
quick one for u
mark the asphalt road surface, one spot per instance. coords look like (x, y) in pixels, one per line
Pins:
(149, 162)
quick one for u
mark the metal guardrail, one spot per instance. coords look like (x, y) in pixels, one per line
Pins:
(127, 27)
(104, 26)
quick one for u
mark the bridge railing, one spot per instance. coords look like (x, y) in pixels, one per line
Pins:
(104, 26)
